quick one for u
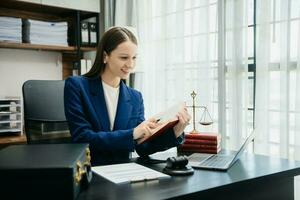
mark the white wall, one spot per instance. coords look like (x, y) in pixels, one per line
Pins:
(17, 66)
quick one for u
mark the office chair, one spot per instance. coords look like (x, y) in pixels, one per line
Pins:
(44, 116)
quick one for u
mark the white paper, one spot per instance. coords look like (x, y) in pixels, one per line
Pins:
(128, 173)
(169, 113)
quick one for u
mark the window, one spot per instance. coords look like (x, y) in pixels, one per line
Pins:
(179, 39)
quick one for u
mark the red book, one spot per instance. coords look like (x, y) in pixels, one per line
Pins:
(165, 120)
(204, 136)
(159, 131)
(198, 141)
(198, 146)
(197, 150)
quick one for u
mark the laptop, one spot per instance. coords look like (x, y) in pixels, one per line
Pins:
(221, 161)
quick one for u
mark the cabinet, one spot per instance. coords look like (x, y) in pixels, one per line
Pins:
(10, 115)
(39, 11)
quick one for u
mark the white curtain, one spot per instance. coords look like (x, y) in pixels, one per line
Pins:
(277, 91)
(125, 11)
(178, 55)
(237, 90)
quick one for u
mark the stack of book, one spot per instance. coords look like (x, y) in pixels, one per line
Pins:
(201, 143)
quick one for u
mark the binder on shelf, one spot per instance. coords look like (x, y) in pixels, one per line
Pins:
(76, 67)
(83, 68)
(84, 33)
(88, 65)
(93, 33)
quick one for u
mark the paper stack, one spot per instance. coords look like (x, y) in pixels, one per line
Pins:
(11, 29)
(46, 33)
(201, 143)
(128, 173)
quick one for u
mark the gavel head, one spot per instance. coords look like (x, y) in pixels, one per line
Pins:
(177, 162)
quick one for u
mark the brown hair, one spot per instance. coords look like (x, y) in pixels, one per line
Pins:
(109, 41)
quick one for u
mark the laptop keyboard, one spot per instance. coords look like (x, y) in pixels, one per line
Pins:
(217, 161)
(199, 157)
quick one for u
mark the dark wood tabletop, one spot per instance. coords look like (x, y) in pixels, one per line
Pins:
(251, 177)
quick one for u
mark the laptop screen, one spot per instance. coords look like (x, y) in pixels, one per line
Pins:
(244, 145)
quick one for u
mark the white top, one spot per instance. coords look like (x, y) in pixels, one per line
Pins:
(111, 95)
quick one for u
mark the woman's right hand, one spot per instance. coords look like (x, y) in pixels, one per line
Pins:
(144, 129)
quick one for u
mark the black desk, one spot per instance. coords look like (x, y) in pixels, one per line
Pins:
(251, 177)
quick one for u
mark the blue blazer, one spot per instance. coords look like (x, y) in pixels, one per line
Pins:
(87, 115)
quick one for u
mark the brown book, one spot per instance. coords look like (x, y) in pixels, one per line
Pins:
(198, 146)
(165, 120)
(198, 141)
(204, 136)
(197, 150)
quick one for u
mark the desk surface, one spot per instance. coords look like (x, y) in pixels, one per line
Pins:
(254, 173)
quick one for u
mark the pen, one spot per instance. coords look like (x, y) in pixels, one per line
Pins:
(142, 179)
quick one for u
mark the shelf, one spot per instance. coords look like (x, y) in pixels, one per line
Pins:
(36, 47)
(37, 11)
(11, 130)
(88, 49)
(9, 98)
(11, 45)
(10, 105)
(9, 113)
(9, 121)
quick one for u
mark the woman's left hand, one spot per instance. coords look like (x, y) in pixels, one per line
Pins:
(184, 119)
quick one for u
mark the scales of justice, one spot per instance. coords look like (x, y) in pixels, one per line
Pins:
(205, 119)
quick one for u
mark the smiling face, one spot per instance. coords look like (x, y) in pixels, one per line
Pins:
(119, 63)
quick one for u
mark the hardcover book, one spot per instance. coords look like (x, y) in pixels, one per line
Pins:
(199, 150)
(166, 120)
(204, 136)
(199, 146)
(198, 141)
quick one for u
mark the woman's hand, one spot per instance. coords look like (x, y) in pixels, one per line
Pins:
(144, 129)
(184, 119)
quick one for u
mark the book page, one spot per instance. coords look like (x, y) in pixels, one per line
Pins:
(170, 113)
(166, 119)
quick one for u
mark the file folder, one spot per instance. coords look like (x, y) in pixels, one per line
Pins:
(76, 67)
(84, 32)
(93, 34)
(83, 69)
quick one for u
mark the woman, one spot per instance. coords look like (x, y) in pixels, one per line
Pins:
(102, 111)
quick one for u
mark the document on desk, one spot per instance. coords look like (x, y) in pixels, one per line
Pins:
(128, 173)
